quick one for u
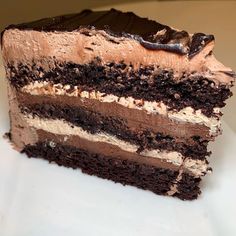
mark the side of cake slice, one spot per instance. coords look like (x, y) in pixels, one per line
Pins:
(119, 96)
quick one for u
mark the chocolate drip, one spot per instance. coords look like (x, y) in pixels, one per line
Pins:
(198, 40)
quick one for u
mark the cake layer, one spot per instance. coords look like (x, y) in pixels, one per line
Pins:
(157, 180)
(95, 122)
(191, 90)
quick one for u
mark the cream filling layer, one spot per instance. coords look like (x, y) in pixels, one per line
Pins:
(60, 127)
(187, 114)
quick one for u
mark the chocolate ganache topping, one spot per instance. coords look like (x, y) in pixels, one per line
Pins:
(149, 33)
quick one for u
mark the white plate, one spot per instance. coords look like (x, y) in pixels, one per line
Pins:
(38, 198)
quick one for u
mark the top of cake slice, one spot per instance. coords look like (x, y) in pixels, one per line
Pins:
(159, 45)
(149, 33)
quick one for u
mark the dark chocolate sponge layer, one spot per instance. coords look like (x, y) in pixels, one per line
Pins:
(188, 187)
(157, 180)
(122, 80)
(125, 24)
(95, 122)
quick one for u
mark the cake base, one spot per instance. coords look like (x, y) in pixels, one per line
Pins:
(126, 172)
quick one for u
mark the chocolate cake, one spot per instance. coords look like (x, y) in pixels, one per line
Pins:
(118, 96)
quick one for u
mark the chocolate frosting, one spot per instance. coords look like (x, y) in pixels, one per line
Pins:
(151, 34)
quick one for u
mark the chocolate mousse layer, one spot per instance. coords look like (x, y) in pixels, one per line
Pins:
(145, 176)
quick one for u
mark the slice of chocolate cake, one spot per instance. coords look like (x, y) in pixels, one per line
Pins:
(121, 97)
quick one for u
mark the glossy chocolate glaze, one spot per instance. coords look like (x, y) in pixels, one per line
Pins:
(151, 34)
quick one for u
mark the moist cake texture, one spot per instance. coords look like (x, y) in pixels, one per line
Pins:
(118, 96)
